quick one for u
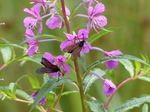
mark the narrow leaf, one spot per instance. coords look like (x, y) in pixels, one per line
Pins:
(12, 87)
(96, 106)
(75, 8)
(144, 78)
(7, 92)
(6, 53)
(145, 108)
(130, 57)
(49, 85)
(33, 59)
(96, 36)
(24, 95)
(128, 66)
(134, 102)
(69, 92)
(34, 82)
(137, 67)
(83, 61)
(2, 44)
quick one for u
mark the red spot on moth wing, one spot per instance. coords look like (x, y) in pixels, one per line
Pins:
(47, 64)
(70, 48)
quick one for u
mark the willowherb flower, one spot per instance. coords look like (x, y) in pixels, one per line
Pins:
(33, 43)
(56, 20)
(31, 22)
(1, 79)
(44, 3)
(112, 63)
(74, 39)
(2, 23)
(96, 20)
(60, 62)
(109, 87)
(34, 97)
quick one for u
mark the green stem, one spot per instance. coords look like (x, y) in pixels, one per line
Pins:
(58, 98)
(80, 84)
(24, 101)
(121, 84)
(67, 24)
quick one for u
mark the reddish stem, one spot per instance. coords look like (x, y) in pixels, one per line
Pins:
(3, 66)
(65, 16)
(121, 84)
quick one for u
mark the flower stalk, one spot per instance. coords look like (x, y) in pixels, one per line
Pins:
(80, 84)
(121, 84)
(65, 17)
(75, 61)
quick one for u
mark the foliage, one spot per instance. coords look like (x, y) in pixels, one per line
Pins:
(74, 43)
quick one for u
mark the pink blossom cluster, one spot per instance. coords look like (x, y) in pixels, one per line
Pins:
(74, 43)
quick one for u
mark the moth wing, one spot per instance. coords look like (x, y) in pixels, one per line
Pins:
(46, 63)
(42, 70)
(76, 52)
(70, 48)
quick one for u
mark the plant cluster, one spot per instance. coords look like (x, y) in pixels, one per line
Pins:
(73, 44)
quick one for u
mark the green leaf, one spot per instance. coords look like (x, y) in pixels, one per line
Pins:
(33, 59)
(24, 95)
(144, 78)
(83, 61)
(128, 66)
(34, 82)
(69, 92)
(6, 53)
(90, 79)
(134, 102)
(96, 106)
(130, 57)
(12, 87)
(137, 67)
(145, 108)
(2, 44)
(49, 85)
(7, 92)
(24, 57)
(46, 78)
(96, 36)
(75, 8)
(41, 36)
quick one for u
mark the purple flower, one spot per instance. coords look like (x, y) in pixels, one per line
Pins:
(59, 61)
(41, 1)
(96, 20)
(34, 97)
(2, 23)
(45, 4)
(72, 39)
(33, 43)
(30, 22)
(1, 79)
(56, 20)
(109, 87)
(112, 63)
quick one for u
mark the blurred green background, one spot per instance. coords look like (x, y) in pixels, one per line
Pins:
(133, 16)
